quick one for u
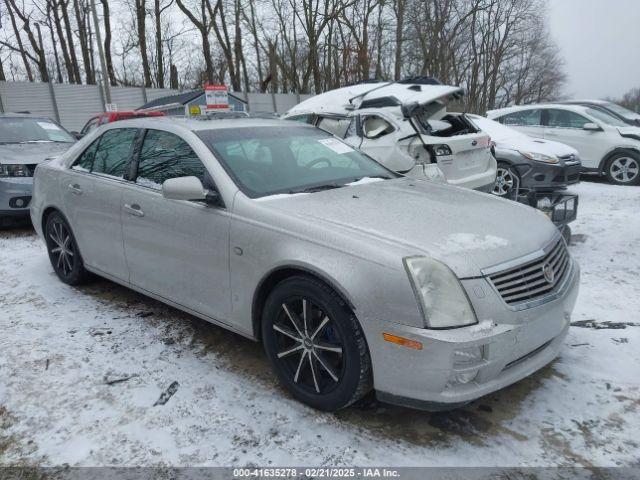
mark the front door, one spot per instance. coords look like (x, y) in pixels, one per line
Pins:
(178, 250)
(92, 196)
(566, 127)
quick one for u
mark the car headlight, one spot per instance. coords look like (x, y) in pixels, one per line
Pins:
(441, 150)
(440, 295)
(540, 157)
(17, 170)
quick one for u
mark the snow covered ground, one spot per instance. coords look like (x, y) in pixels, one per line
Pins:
(82, 370)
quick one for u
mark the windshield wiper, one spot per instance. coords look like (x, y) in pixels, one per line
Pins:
(318, 188)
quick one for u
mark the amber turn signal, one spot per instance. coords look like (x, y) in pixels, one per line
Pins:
(405, 342)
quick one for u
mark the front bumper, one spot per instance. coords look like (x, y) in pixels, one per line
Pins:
(513, 345)
(15, 196)
(538, 176)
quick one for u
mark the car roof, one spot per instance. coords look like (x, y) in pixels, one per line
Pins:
(590, 102)
(533, 106)
(199, 124)
(372, 95)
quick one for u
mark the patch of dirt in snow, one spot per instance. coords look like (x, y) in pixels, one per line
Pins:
(82, 368)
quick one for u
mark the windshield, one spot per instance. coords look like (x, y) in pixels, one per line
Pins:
(606, 117)
(270, 160)
(32, 130)
(496, 130)
(623, 112)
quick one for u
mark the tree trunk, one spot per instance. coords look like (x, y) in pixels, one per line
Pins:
(159, 56)
(141, 16)
(399, 11)
(173, 77)
(72, 49)
(83, 32)
(63, 42)
(23, 52)
(203, 27)
(107, 43)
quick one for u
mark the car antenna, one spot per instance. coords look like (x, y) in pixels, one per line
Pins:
(362, 95)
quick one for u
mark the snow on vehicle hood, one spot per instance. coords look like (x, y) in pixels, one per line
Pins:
(338, 101)
(31, 153)
(630, 132)
(536, 145)
(510, 139)
(467, 230)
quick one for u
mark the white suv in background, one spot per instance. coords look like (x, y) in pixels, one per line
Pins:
(406, 126)
(606, 144)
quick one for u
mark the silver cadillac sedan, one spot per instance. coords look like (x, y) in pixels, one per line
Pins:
(353, 277)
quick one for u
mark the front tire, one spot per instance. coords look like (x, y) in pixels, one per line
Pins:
(623, 168)
(63, 251)
(507, 179)
(315, 344)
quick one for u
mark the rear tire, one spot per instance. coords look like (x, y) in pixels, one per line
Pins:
(623, 168)
(63, 251)
(315, 344)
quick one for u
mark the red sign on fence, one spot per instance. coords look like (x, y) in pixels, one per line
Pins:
(217, 97)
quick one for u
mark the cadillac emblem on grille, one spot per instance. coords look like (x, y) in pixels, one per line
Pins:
(549, 274)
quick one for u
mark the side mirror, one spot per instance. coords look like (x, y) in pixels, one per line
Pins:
(77, 135)
(592, 127)
(184, 188)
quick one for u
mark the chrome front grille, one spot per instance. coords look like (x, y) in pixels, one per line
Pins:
(534, 279)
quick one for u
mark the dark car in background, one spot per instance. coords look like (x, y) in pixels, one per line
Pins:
(529, 163)
(25, 141)
(627, 116)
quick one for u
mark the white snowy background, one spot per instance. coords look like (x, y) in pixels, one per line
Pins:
(81, 369)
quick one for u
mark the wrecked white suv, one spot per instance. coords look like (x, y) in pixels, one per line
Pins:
(406, 127)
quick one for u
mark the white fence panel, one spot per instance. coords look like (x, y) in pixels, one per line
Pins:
(77, 103)
(127, 98)
(153, 93)
(27, 97)
(260, 102)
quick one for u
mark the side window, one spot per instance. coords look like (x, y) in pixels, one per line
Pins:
(84, 163)
(307, 118)
(374, 126)
(565, 119)
(334, 125)
(114, 151)
(525, 118)
(165, 155)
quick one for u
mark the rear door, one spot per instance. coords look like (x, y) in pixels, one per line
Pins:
(178, 250)
(527, 121)
(566, 127)
(92, 196)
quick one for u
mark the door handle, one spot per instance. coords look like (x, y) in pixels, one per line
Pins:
(75, 189)
(134, 210)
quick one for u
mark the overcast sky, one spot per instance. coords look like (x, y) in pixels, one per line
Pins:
(600, 43)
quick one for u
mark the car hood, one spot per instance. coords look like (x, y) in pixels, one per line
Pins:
(30, 153)
(467, 230)
(536, 145)
(630, 132)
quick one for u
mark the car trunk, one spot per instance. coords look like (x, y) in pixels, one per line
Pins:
(470, 147)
